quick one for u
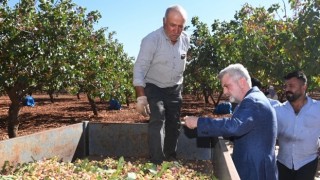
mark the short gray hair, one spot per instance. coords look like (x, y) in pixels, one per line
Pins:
(179, 9)
(236, 71)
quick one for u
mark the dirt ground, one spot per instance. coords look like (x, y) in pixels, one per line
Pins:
(67, 109)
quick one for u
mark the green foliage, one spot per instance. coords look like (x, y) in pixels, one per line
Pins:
(270, 46)
(118, 171)
(52, 45)
(203, 61)
(107, 168)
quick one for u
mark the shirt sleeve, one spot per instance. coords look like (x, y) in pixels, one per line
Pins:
(144, 60)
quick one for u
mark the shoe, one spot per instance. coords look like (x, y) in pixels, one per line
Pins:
(156, 162)
(172, 158)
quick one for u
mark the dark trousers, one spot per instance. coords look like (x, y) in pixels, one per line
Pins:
(164, 124)
(306, 172)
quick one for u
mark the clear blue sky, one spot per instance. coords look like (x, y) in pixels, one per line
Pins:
(133, 19)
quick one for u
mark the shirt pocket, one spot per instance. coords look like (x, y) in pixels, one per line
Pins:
(182, 60)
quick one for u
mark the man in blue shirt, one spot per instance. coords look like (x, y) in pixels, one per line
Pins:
(298, 130)
(253, 126)
(157, 77)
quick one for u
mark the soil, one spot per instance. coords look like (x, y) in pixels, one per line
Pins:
(68, 109)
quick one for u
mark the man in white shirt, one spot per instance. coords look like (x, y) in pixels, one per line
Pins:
(298, 130)
(158, 78)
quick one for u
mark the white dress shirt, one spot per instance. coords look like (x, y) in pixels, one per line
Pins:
(298, 134)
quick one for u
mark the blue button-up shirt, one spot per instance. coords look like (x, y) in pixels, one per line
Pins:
(298, 135)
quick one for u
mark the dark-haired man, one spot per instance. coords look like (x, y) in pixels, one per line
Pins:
(298, 130)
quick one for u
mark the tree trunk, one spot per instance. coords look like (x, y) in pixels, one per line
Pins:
(212, 99)
(13, 114)
(93, 105)
(128, 100)
(50, 92)
(219, 97)
(206, 93)
(51, 97)
(206, 98)
(13, 120)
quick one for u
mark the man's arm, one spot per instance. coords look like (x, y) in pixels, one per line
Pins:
(139, 91)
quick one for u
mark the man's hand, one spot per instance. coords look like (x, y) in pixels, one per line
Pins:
(143, 106)
(191, 121)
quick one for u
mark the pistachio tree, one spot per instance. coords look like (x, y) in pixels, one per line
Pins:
(49, 45)
(269, 43)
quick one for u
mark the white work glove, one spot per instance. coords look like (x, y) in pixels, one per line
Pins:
(143, 106)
